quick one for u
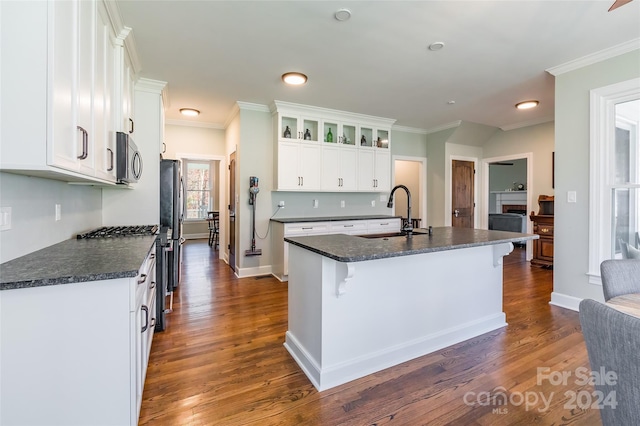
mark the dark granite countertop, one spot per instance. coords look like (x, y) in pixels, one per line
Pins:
(331, 218)
(77, 261)
(351, 248)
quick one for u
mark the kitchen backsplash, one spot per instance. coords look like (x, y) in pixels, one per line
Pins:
(301, 204)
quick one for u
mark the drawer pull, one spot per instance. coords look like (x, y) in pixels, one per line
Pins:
(544, 229)
(146, 316)
(142, 279)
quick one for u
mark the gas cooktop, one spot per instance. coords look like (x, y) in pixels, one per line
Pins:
(120, 231)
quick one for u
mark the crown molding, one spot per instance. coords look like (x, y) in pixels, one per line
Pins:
(252, 107)
(622, 48)
(409, 129)
(446, 126)
(199, 124)
(152, 86)
(521, 124)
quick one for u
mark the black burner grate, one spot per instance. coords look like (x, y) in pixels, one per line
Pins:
(119, 231)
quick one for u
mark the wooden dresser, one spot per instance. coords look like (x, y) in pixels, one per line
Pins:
(543, 226)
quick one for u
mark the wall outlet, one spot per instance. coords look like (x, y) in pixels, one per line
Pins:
(373, 203)
(58, 212)
(315, 204)
(383, 198)
(281, 204)
(341, 203)
(571, 196)
(5, 218)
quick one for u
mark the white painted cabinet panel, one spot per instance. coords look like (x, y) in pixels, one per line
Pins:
(69, 133)
(339, 168)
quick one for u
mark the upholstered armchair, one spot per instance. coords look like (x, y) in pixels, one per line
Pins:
(613, 345)
(620, 276)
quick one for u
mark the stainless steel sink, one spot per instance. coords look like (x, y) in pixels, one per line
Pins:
(393, 234)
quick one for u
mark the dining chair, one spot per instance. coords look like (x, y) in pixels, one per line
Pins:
(213, 220)
(620, 276)
(613, 345)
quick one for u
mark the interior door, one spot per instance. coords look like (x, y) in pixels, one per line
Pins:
(462, 193)
(232, 211)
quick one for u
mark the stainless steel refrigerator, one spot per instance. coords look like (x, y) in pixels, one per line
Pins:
(170, 239)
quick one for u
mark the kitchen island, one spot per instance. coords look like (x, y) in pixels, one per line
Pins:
(358, 304)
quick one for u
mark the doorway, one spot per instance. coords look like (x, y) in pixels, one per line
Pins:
(412, 173)
(498, 193)
(463, 193)
(232, 211)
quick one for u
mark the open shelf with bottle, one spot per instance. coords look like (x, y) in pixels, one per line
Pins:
(298, 128)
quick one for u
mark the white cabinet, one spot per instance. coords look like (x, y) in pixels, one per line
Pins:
(374, 169)
(78, 351)
(339, 168)
(300, 169)
(65, 80)
(317, 162)
(280, 249)
(126, 120)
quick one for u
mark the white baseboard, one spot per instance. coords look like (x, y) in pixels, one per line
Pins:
(200, 236)
(330, 376)
(253, 272)
(565, 301)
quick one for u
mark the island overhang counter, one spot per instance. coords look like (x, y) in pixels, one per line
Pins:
(358, 305)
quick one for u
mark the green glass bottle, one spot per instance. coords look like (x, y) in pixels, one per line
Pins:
(329, 136)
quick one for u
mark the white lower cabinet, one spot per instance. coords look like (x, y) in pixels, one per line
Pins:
(280, 249)
(76, 354)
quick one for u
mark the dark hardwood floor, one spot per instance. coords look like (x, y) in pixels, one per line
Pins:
(221, 362)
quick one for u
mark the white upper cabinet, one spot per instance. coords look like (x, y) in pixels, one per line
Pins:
(64, 72)
(318, 149)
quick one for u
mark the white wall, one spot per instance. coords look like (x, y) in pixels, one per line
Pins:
(32, 201)
(572, 135)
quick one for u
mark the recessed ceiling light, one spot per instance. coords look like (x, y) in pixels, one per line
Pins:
(295, 78)
(451, 102)
(342, 14)
(527, 104)
(436, 45)
(189, 112)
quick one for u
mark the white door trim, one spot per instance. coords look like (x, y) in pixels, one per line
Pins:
(422, 185)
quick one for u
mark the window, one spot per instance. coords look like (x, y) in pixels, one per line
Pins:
(199, 184)
(614, 198)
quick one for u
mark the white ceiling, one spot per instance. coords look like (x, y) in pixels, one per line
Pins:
(214, 53)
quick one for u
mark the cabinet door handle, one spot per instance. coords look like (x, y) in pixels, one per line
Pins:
(111, 155)
(142, 279)
(302, 179)
(146, 318)
(153, 285)
(130, 125)
(85, 144)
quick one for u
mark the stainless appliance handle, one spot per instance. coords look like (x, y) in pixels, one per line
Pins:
(136, 161)
(85, 144)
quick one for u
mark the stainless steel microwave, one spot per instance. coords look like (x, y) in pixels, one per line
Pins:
(128, 159)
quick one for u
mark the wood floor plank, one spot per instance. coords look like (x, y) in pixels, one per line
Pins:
(222, 361)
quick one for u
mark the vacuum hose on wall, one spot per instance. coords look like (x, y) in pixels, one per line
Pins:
(253, 195)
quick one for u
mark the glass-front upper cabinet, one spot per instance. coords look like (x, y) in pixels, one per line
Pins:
(337, 132)
(298, 128)
(374, 138)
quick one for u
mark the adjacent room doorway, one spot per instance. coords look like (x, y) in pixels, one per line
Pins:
(462, 194)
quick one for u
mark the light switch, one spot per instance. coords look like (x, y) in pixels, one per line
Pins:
(341, 203)
(315, 204)
(5, 218)
(58, 212)
(571, 196)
